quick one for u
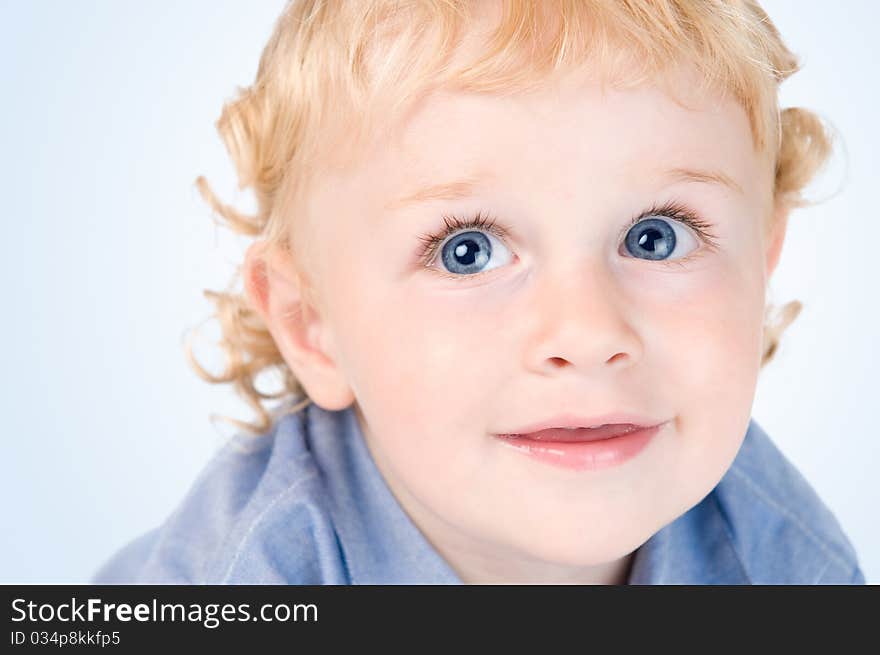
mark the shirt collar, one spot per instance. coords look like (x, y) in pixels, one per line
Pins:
(696, 548)
(379, 542)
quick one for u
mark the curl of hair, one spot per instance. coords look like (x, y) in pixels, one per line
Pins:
(327, 62)
(805, 145)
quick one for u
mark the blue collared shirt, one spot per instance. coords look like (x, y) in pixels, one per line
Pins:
(305, 504)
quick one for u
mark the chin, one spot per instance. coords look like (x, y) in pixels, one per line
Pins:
(577, 547)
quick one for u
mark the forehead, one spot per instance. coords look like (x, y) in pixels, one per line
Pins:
(571, 130)
(572, 136)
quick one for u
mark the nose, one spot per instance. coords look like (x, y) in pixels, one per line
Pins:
(580, 319)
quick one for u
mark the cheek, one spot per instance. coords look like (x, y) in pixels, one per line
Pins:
(716, 330)
(421, 375)
(415, 355)
(708, 343)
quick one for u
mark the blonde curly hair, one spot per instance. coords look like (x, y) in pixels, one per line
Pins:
(331, 70)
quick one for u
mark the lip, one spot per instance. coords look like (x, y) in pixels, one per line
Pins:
(585, 453)
(564, 420)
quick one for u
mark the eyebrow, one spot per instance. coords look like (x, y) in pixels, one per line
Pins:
(465, 187)
(445, 191)
(707, 177)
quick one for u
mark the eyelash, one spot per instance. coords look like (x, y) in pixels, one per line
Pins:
(675, 210)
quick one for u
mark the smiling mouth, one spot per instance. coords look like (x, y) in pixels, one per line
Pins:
(573, 435)
(584, 449)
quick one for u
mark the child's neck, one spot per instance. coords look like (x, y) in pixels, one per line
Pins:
(474, 566)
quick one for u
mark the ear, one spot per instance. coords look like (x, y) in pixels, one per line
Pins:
(776, 236)
(275, 290)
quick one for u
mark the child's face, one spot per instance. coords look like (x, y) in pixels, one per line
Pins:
(561, 317)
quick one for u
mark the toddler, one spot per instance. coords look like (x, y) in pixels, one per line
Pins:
(510, 259)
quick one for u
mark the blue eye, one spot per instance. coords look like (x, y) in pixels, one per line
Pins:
(656, 238)
(467, 253)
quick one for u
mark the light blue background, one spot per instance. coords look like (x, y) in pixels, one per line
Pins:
(107, 118)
